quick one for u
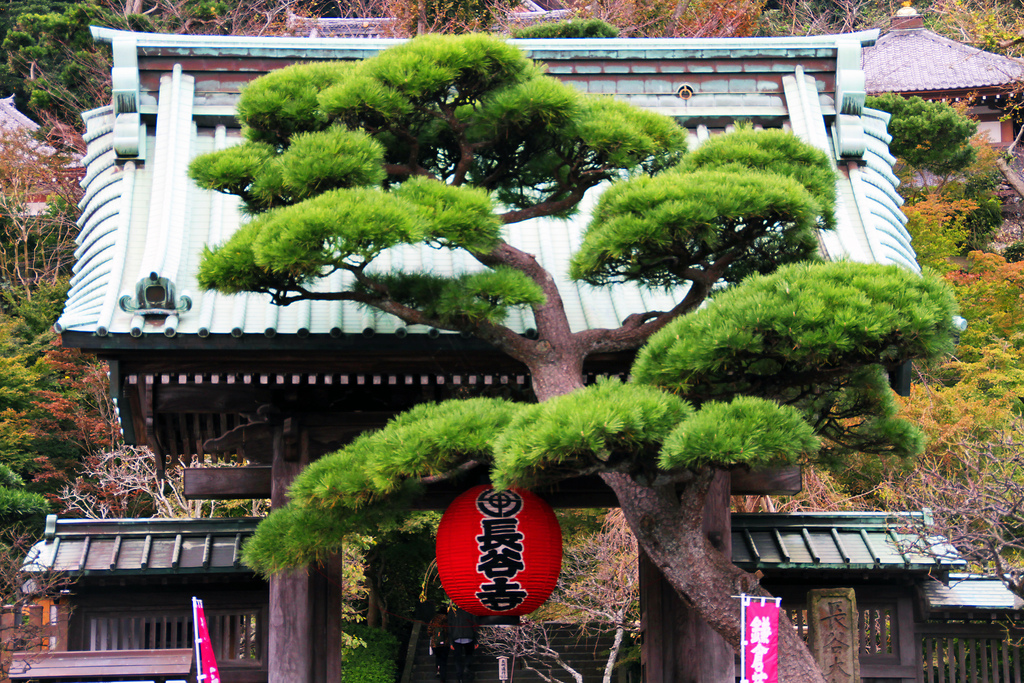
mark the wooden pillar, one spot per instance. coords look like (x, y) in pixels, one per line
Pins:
(678, 646)
(327, 617)
(305, 604)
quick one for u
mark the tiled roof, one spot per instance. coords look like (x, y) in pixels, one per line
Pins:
(11, 118)
(123, 547)
(817, 541)
(834, 541)
(970, 592)
(148, 217)
(917, 60)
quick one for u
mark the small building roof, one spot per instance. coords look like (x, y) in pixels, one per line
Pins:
(970, 592)
(835, 541)
(11, 119)
(141, 547)
(825, 543)
(915, 60)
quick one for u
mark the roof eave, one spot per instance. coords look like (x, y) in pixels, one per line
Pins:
(352, 48)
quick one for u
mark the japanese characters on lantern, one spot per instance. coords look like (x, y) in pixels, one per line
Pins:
(499, 552)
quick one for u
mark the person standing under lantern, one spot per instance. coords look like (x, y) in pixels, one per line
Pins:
(463, 634)
(440, 642)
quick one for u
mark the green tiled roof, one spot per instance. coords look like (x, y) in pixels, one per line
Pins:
(174, 98)
(832, 541)
(131, 547)
(823, 541)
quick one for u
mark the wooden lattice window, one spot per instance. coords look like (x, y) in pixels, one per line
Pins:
(877, 627)
(236, 634)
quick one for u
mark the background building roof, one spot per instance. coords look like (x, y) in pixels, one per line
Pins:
(12, 119)
(912, 60)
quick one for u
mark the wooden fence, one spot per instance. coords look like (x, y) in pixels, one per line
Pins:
(970, 653)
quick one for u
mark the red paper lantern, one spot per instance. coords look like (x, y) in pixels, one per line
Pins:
(499, 552)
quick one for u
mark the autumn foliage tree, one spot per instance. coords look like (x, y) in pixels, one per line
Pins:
(38, 191)
(54, 404)
(947, 170)
(672, 19)
(442, 142)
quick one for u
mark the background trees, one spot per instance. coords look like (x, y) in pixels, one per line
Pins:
(598, 593)
(441, 142)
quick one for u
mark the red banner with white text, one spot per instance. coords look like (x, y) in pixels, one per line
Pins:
(760, 640)
(206, 663)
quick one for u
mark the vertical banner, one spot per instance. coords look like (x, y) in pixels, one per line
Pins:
(760, 639)
(206, 665)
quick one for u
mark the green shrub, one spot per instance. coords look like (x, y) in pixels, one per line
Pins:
(573, 28)
(1014, 253)
(373, 661)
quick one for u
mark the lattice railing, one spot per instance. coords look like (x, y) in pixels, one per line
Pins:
(969, 653)
(236, 635)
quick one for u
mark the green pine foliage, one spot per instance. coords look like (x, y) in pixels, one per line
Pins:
(816, 337)
(800, 325)
(292, 245)
(430, 439)
(601, 427)
(658, 229)
(52, 60)
(471, 298)
(748, 431)
(758, 196)
(772, 151)
(285, 102)
(1014, 252)
(345, 161)
(19, 508)
(767, 359)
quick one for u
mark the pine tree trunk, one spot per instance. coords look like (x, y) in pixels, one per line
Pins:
(554, 374)
(667, 523)
(667, 526)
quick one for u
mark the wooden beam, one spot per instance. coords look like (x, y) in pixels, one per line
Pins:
(776, 481)
(582, 492)
(222, 483)
(203, 399)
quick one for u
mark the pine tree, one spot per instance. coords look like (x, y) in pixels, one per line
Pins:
(443, 141)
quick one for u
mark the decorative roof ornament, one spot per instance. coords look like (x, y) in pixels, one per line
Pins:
(154, 297)
(907, 18)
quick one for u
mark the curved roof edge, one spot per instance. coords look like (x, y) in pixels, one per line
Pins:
(605, 48)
